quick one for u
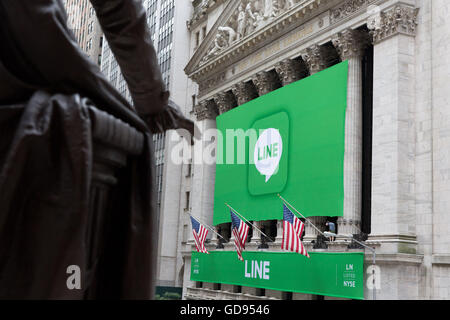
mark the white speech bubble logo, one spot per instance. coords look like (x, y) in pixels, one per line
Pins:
(268, 151)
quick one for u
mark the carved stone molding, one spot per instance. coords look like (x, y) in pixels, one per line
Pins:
(244, 92)
(348, 8)
(316, 58)
(201, 11)
(225, 101)
(400, 19)
(211, 82)
(266, 82)
(351, 43)
(290, 70)
(206, 109)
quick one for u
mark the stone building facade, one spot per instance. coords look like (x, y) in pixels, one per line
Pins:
(397, 158)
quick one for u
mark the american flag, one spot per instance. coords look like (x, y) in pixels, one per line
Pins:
(240, 233)
(200, 233)
(292, 231)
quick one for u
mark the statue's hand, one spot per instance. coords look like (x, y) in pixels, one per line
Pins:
(171, 118)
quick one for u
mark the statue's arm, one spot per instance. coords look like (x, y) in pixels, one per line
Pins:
(124, 24)
(125, 27)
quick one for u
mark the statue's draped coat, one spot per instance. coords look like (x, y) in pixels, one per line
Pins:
(46, 87)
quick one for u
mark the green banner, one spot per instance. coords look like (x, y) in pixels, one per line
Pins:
(324, 273)
(290, 141)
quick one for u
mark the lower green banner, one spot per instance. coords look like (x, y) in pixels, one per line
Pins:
(324, 273)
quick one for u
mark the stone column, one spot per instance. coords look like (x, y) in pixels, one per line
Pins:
(256, 236)
(315, 58)
(214, 237)
(350, 45)
(204, 171)
(290, 70)
(266, 82)
(244, 92)
(393, 214)
(279, 236)
(225, 101)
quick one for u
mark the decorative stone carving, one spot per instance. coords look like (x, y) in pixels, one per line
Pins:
(266, 82)
(350, 43)
(244, 92)
(289, 4)
(347, 8)
(219, 44)
(225, 101)
(241, 22)
(269, 9)
(250, 16)
(399, 19)
(201, 11)
(206, 84)
(206, 109)
(316, 58)
(290, 70)
(232, 35)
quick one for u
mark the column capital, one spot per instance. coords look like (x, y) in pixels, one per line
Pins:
(225, 101)
(205, 109)
(351, 43)
(266, 82)
(315, 58)
(400, 19)
(244, 92)
(290, 70)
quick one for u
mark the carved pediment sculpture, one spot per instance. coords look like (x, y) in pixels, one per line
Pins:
(201, 11)
(248, 17)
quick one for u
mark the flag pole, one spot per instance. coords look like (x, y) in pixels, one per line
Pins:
(247, 220)
(290, 205)
(206, 225)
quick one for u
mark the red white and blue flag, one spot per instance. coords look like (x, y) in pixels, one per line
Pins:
(240, 232)
(200, 233)
(292, 232)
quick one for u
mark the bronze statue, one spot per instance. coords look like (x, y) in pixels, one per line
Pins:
(73, 192)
